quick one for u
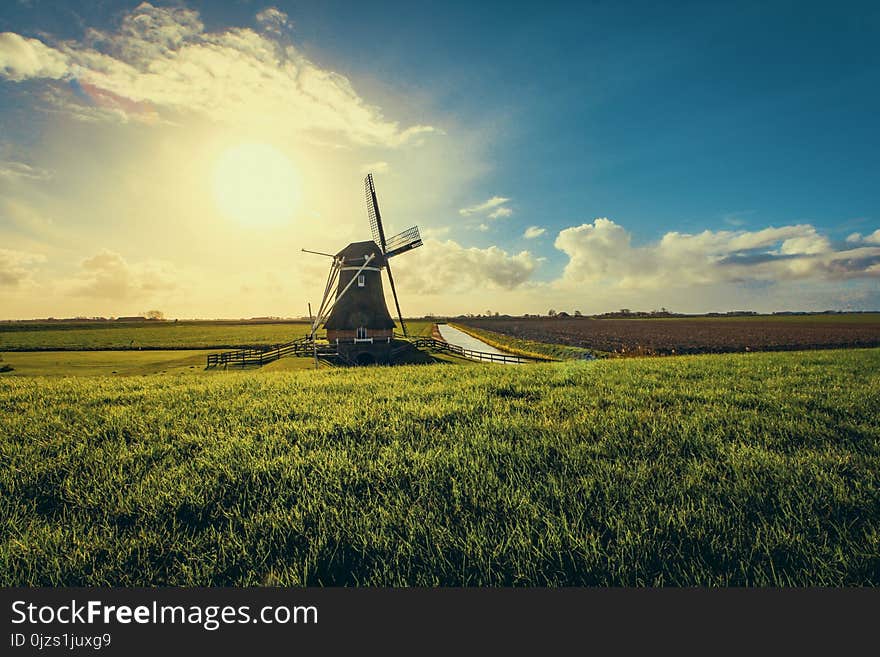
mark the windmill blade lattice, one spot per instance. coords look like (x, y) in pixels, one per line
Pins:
(402, 242)
(373, 212)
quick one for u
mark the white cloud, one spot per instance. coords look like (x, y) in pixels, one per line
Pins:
(479, 208)
(483, 228)
(500, 213)
(873, 238)
(163, 58)
(274, 20)
(446, 267)
(107, 275)
(22, 58)
(17, 267)
(809, 243)
(603, 252)
(533, 232)
(19, 170)
(376, 167)
(856, 238)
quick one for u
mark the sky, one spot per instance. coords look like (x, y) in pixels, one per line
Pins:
(699, 157)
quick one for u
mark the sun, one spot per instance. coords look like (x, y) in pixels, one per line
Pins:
(256, 185)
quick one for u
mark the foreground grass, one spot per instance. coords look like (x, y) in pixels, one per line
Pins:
(98, 363)
(738, 469)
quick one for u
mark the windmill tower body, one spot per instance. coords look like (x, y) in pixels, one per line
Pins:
(360, 325)
(357, 319)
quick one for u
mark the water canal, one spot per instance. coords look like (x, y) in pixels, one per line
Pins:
(461, 339)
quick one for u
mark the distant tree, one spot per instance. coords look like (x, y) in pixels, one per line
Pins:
(154, 314)
(496, 313)
(577, 313)
(625, 311)
(551, 313)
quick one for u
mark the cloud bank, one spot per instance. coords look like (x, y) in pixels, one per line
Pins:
(856, 238)
(107, 275)
(448, 267)
(603, 252)
(17, 268)
(163, 61)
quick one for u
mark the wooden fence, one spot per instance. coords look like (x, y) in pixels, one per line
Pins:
(440, 345)
(259, 356)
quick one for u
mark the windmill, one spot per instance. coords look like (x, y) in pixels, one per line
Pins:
(356, 316)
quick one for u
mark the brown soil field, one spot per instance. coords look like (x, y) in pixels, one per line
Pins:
(693, 335)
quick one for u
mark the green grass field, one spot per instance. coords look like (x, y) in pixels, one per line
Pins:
(158, 335)
(749, 469)
(124, 363)
(60, 350)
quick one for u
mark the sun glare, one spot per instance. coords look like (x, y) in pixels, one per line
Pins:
(256, 185)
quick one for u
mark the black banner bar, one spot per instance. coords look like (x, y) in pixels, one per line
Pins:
(52, 621)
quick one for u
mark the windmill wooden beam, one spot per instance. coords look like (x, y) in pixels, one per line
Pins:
(322, 317)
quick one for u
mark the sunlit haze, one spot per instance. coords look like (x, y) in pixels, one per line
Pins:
(256, 185)
(178, 156)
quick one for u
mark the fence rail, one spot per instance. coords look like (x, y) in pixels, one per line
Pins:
(440, 345)
(259, 356)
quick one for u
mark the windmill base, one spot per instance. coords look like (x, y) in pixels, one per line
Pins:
(365, 353)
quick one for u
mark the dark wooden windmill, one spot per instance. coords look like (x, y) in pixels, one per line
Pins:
(356, 316)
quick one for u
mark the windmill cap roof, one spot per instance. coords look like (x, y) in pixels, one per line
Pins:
(356, 252)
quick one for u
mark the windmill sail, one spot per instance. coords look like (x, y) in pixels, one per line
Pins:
(408, 239)
(373, 212)
(402, 242)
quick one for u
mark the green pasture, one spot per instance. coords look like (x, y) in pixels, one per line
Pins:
(742, 469)
(156, 335)
(122, 363)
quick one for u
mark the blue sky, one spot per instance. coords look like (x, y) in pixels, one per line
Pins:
(730, 150)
